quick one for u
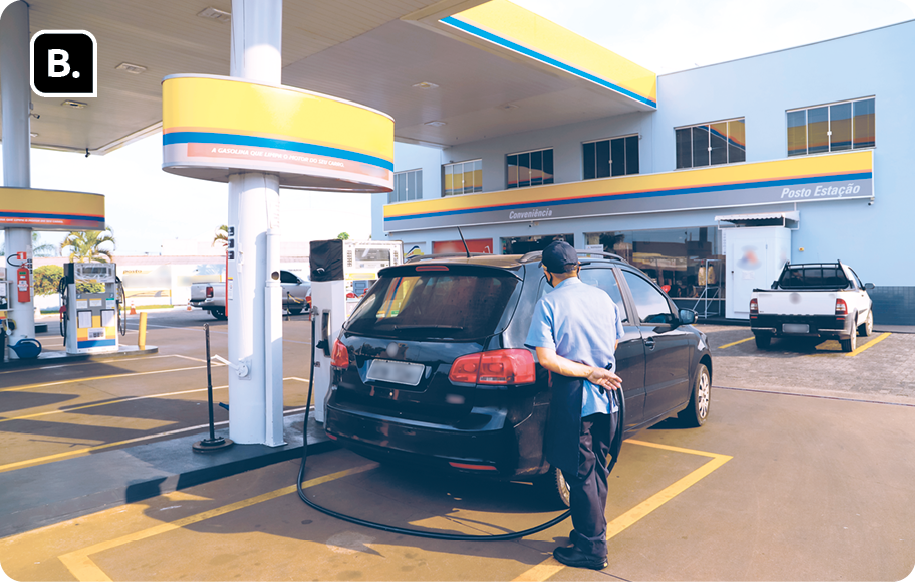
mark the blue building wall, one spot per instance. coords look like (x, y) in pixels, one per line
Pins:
(872, 238)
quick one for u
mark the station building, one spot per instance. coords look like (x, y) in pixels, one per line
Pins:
(707, 179)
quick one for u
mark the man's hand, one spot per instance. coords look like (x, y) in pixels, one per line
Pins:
(556, 363)
(605, 378)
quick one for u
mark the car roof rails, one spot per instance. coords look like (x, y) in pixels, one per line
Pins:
(416, 258)
(532, 256)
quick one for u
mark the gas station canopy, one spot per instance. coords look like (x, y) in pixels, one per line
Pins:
(447, 71)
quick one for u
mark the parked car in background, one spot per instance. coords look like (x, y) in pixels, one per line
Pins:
(212, 296)
(431, 367)
(825, 300)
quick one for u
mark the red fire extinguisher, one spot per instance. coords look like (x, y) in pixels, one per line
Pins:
(23, 285)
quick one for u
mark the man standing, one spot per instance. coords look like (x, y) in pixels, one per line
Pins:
(575, 329)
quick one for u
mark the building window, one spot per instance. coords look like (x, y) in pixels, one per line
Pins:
(610, 157)
(711, 144)
(530, 168)
(407, 186)
(832, 128)
(464, 178)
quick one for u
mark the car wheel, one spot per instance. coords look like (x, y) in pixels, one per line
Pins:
(851, 343)
(866, 328)
(553, 489)
(294, 310)
(696, 412)
(219, 314)
(763, 340)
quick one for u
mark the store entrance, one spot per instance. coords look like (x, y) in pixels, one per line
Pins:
(518, 245)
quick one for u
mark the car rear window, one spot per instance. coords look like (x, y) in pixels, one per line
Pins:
(435, 305)
(813, 278)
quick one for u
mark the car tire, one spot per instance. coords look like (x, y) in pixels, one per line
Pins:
(696, 412)
(553, 489)
(866, 328)
(850, 344)
(219, 314)
(294, 310)
(763, 340)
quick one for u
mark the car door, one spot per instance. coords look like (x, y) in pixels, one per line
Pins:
(630, 352)
(667, 348)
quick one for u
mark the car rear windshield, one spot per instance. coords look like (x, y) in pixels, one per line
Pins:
(819, 277)
(447, 304)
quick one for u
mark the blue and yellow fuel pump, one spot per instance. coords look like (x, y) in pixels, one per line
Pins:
(92, 308)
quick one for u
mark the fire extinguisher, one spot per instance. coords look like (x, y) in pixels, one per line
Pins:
(23, 286)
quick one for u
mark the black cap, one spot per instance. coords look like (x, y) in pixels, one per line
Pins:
(557, 256)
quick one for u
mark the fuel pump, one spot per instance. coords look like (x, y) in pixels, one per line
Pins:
(341, 272)
(92, 310)
(5, 306)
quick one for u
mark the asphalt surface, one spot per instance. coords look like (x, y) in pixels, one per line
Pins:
(803, 472)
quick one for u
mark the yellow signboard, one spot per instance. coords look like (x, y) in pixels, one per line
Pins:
(51, 209)
(216, 126)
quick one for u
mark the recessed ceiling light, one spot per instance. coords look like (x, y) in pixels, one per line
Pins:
(215, 14)
(436, 123)
(508, 106)
(73, 104)
(426, 85)
(33, 134)
(130, 68)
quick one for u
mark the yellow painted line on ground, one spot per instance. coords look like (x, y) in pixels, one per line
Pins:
(84, 569)
(72, 408)
(550, 567)
(90, 379)
(735, 343)
(88, 450)
(873, 342)
(87, 363)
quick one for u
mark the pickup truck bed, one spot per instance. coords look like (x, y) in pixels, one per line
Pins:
(212, 296)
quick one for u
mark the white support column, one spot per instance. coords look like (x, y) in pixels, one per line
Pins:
(16, 98)
(253, 211)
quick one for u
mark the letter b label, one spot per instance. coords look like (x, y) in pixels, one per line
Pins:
(64, 63)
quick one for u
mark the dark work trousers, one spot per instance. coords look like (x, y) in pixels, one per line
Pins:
(589, 487)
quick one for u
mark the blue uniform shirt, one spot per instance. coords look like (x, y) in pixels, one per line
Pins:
(581, 323)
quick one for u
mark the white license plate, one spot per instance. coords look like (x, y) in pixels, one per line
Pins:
(399, 372)
(795, 328)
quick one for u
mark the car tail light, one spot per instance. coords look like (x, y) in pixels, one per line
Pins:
(494, 367)
(339, 358)
(473, 467)
(754, 307)
(209, 292)
(841, 308)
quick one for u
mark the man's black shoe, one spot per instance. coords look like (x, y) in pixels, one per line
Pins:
(577, 559)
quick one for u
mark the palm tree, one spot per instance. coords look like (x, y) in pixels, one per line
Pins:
(343, 235)
(221, 236)
(85, 246)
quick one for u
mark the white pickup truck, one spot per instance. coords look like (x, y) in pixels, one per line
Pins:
(212, 296)
(813, 300)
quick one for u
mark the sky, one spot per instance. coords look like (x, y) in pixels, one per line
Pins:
(147, 207)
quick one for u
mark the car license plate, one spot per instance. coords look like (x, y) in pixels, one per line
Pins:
(398, 372)
(795, 328)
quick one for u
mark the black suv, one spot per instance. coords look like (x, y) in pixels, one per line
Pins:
(431, 367)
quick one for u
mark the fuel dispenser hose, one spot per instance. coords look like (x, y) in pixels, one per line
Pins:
(426, 533)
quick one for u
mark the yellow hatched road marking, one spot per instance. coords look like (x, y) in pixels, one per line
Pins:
(84, 569)
(550, 566)
(126, 375)
(735, 343)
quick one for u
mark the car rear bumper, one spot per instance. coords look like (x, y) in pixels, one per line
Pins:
(816, 326)
(487, 452)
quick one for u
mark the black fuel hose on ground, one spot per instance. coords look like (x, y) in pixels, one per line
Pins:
(417, 532)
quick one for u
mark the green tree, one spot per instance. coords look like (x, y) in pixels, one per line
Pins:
(46, 279)
(343, 235)
(221, 235)
(85, 246)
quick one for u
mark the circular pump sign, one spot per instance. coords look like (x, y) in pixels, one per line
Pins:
(217, 126)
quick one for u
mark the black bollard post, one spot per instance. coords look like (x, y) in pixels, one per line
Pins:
(211, 444)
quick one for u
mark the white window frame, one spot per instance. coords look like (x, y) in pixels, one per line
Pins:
(609, 139)
(829, 121)
(393, 194)
(452, 165)
(709, 124)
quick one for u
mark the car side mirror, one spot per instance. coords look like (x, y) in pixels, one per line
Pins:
(687, 316)
(868, 286)
(774, 285)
